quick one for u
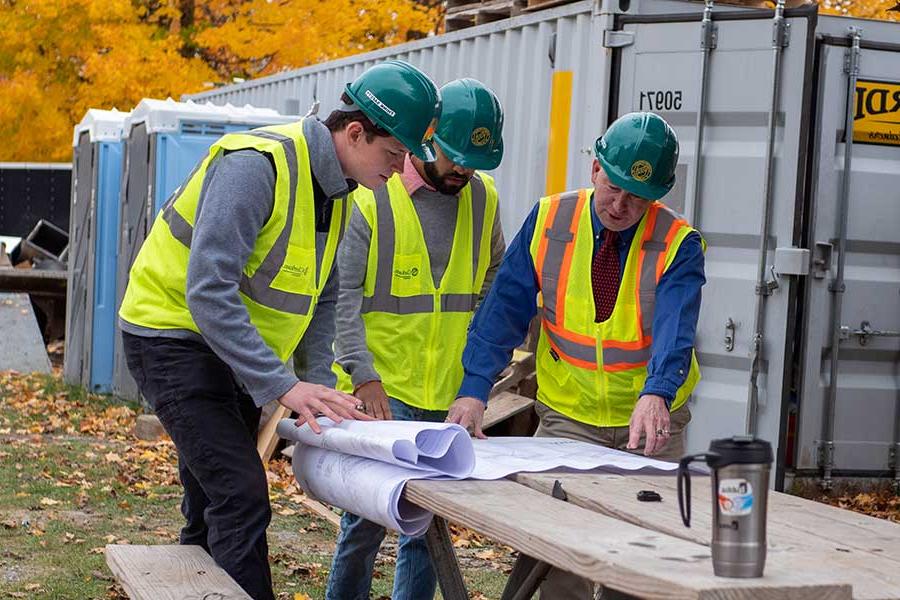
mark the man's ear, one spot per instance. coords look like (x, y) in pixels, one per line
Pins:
(595, 171)
(355, 133)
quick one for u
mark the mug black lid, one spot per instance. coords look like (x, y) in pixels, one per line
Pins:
(740, 449)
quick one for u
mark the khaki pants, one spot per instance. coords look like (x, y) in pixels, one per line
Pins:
(560, 584)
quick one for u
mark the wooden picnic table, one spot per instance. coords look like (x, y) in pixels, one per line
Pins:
(642, 550)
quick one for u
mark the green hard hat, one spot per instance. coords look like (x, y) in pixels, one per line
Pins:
(639, 152)
(470, 131)
(403, 101)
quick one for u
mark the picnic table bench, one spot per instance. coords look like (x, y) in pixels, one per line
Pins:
(642, 550)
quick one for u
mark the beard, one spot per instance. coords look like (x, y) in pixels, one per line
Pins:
(440, 181)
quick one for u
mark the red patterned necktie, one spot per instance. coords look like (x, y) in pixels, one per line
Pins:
(605, 275)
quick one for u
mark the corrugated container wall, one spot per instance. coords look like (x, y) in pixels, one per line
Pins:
(524, 60)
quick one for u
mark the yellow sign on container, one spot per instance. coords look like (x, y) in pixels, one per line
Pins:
(877, 117)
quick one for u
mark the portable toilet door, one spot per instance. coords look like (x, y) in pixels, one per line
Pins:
(96, 162)
(165, 140)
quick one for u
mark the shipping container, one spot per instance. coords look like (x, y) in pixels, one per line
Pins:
(800, 216)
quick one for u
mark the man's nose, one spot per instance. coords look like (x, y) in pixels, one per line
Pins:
(621, 201)
(463, 171)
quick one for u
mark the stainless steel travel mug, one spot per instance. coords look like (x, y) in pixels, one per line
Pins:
(740, 489)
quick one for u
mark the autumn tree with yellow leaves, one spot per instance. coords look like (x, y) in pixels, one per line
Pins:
(60, 57)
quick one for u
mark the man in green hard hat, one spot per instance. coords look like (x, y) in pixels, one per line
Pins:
(615, 276)
(419, 253)
(236, 276)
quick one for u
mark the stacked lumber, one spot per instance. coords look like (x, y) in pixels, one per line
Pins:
(466, 13)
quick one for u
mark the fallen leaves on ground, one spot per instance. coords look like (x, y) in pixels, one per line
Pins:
(882, 503)
(49, 407)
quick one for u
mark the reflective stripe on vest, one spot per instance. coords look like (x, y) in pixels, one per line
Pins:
(553, 265)
(258, 286)
(382, 300)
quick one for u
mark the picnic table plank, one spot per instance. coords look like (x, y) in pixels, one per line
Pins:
(170, 573)
(624, 557)
(873, 574)
(503, 406)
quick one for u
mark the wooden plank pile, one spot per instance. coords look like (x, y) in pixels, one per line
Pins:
(468, 13)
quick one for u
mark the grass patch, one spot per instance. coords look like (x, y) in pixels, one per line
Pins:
(73, 479)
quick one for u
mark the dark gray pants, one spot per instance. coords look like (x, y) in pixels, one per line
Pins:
(213, 424)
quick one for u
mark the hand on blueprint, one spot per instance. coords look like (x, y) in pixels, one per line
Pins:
(468, 412)
(650, 416)
(374, 399)
(310, 399)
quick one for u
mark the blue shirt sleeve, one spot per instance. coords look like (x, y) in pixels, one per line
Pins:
(675, 320)
(501, 322)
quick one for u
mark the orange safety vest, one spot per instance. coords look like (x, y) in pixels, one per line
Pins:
(593, 372)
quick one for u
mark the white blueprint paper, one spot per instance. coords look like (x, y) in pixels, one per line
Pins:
(501, 456)
(435, 447)
(362, 486)
(362, 466)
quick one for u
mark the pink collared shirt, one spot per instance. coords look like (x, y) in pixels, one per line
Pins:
(411, 179)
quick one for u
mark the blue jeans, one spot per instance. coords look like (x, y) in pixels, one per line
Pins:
(358, 543)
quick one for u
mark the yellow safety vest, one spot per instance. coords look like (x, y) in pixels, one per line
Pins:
(416, 332)
(283, 278)
(593, 372)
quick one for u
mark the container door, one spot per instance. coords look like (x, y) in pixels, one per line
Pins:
(868, 370)
(660, 71)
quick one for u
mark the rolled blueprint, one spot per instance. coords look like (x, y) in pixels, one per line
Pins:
(362, 466)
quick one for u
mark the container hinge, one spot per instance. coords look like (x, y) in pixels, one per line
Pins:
(781, 33)
(709, 35)
(864, 332)
(617, 39)
(851, 56)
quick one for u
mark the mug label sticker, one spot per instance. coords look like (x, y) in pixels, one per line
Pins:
(735, 497)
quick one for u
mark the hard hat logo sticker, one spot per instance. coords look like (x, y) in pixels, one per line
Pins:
(481, 136)
(641, 170)
(429, 133)
(380, 104)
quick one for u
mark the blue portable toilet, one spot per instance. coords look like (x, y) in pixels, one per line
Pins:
(93, 231)
(164, 140)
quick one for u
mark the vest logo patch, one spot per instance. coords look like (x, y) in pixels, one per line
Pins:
(641, 170)
(481, 136)
(300, 270)
(406, 273)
